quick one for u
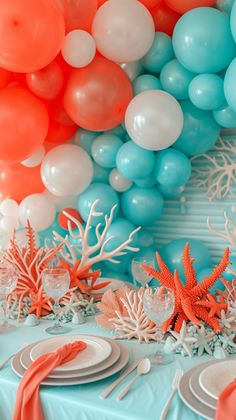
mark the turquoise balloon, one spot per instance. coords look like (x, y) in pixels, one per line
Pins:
(173, 251)
(226, 274)
(225, 116)
(100, 174)
(122, 266)
(85, 138)
(148, 182)
(225, 5)
(107, 199)
(109, 274)
(105, 148)
(119, 131)
(206, 91)
(170, 193)
(48, 233)
(146, 82)
(202, 40)
(175, 79)
(233, 21)
(200, 130)
(142, 206)
(205, 273)
(134, 162)
(159, 54)
(118, 233)
(145, 239)
(172, 168)
(230, 84)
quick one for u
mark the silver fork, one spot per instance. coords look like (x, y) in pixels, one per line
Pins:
(12, 355)
(175, 383)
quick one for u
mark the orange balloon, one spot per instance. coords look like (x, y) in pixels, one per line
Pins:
(47, 82)
(182, 6)
(101, 2)
(61, 127)
(23, 123)
(18, 181)
(164, 18)
(96, 96)
(63, 219)
(78, 14)
(5, 77)
(31, 34)
(149, 4)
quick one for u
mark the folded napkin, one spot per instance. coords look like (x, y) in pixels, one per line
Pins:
(226, 405)
(28, 404)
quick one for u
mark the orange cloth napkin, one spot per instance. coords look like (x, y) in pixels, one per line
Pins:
(226, 405)
(28, 404)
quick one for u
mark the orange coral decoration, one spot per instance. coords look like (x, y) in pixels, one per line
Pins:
(193, 302)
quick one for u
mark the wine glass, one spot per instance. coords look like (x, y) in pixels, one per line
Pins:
(56, 282)
(158, 304)
(8, 281)
(140, 275)
(49, 244)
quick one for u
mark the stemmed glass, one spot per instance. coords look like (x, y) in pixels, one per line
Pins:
(8, 281)
(138, 272)
(158, 304)
(56, 282)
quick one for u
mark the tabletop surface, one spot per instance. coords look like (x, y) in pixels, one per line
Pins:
(82, 402)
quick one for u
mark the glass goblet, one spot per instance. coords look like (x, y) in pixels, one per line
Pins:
(8, 281)
(56, 282)
(158, 304)
(138, 272)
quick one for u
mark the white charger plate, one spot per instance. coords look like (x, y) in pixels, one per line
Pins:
(97, 351)
(190, 400)
(215, 378)
(111, 360)
(120, 364)
(198, 391)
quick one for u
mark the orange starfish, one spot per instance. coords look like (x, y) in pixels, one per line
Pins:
(191, 300)
(212, 304)
(39, 303)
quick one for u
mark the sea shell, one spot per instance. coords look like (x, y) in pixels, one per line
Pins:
(78, 318)
(31, 321)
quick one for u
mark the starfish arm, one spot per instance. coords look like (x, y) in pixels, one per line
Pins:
(188, 310)
(165, 272)
(190, 274)
(179, 321)
(157, 275)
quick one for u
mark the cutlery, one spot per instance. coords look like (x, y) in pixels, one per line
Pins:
(114, 384)
(175, 384)
(143, 367)
(10, 357)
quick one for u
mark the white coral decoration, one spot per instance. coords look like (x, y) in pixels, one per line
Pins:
(230, 230)
(220, 174)
(91, 254)
(136, 325)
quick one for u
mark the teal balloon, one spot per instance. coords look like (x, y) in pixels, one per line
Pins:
(225, 116)
(230, 84)
(146, 82)
(200, 130)
(206, 273)
(172, 168)
(100, 174)
(175, 79)
(119, 131)
(122, 266)
(172, 255)
(109, 274)
(142, 206)
(48, 233)
(206, 91)
(170, 193)
(233, 21)
(107, 199)
(145, 239)
(226, 274)
(92, 237)
(159, 54)
(225, 5)
(85, 138)
(202, 40)
(134, 162)
(118, 233)
(148, 182)
(105, 148)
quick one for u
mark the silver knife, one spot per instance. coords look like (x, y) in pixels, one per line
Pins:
(110, 388)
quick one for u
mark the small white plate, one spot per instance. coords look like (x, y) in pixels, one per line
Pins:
(120, 364)
(111, 360)
(198, 391)
(96, 352)
(215, 378)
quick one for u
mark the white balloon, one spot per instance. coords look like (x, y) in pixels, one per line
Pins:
(39, 210)
(154, 119)
(9, 207)
(67, 170)
(118, 182)
(123, 30)
(8, 224)
(35, 159)
(62, 203)
(132, 70)
(79, 48)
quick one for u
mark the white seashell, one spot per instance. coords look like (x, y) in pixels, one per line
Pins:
(78, 318)
(219, 352)
(168, 346)
(31, 321)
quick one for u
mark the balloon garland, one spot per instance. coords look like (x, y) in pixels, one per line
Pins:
(108, 102)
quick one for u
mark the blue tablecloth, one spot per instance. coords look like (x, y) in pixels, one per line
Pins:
(82, 402)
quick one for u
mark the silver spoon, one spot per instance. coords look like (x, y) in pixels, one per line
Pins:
(143, 367)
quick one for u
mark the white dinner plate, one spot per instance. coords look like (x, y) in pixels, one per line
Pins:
(215, 378)
(114, 356)
(198, 391)
(120, 364)
(96, 352)
(190, 400)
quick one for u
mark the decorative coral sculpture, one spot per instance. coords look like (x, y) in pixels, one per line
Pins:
(123, 311)
(193, 302)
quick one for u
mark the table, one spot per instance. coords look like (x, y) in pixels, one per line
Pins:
(82, 402)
